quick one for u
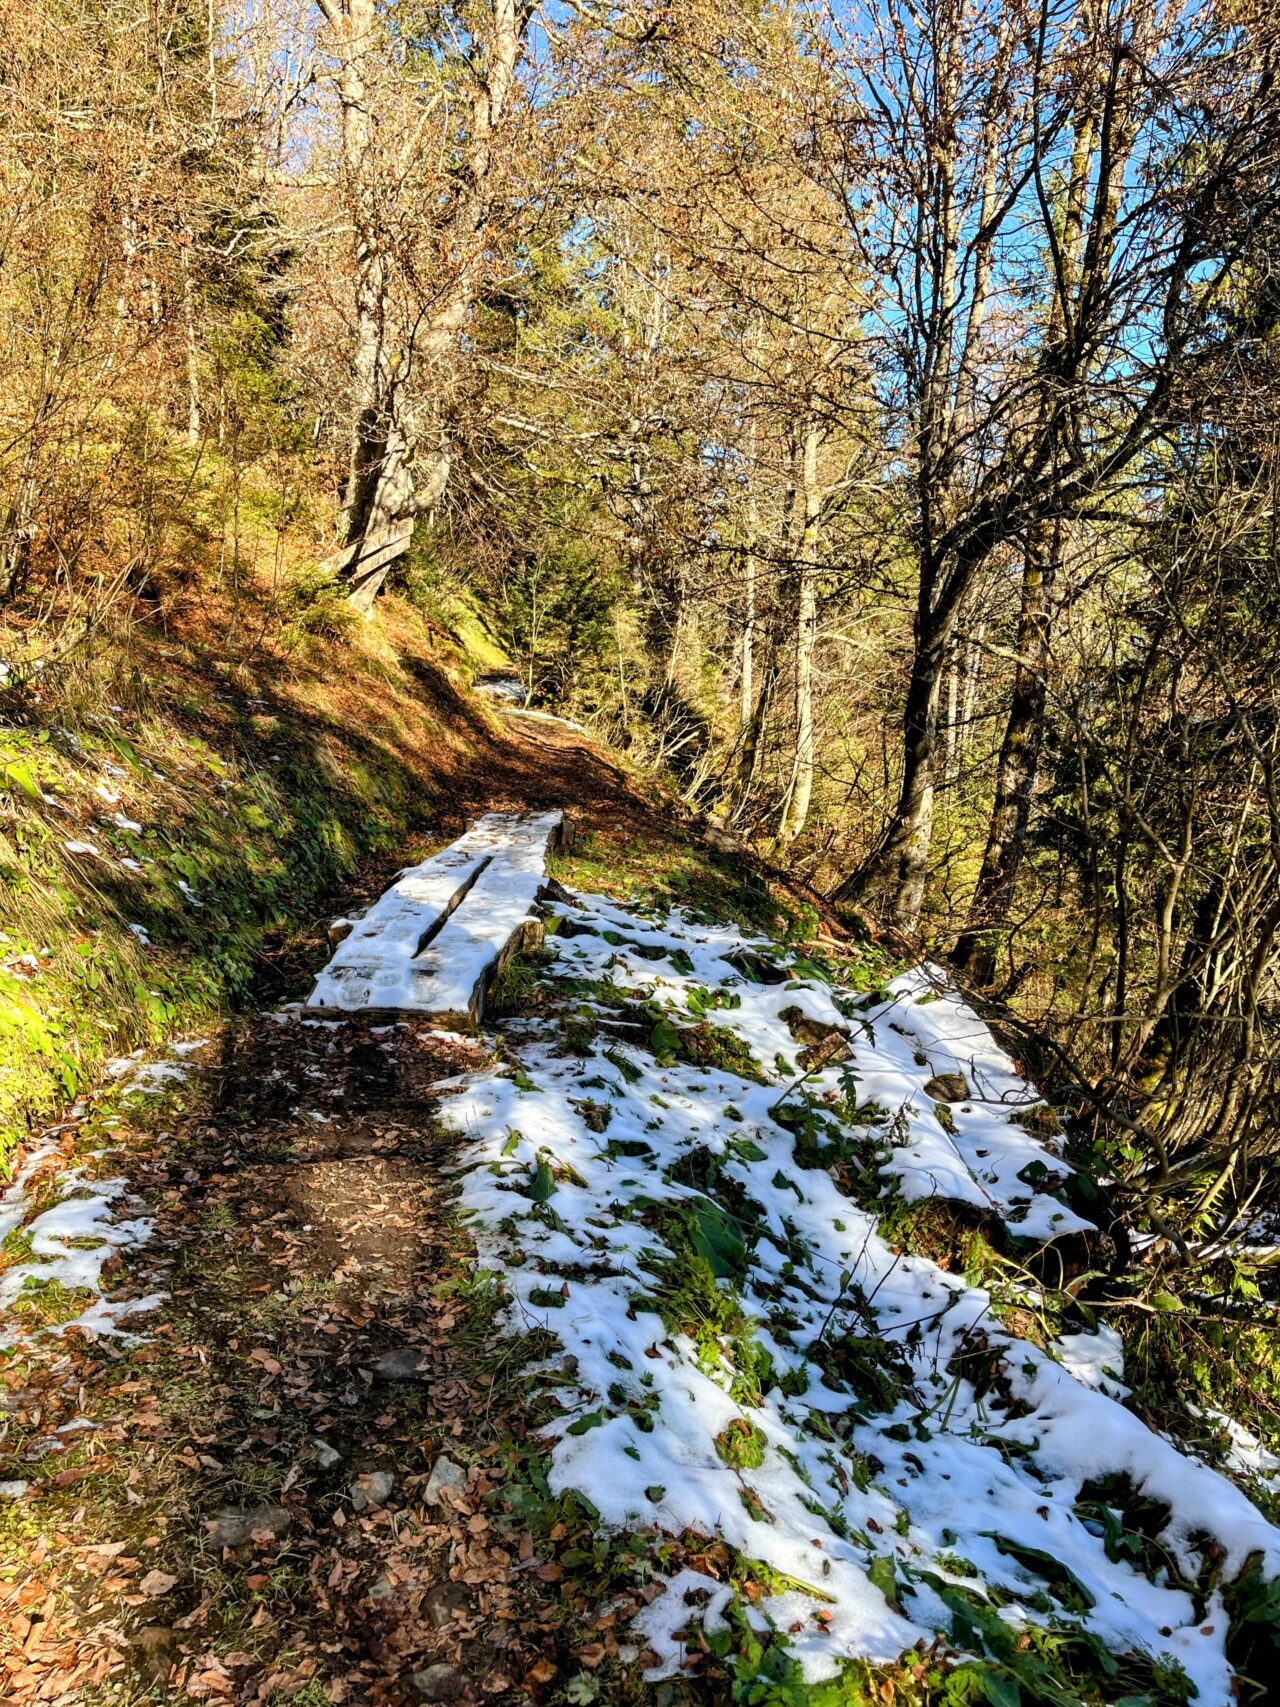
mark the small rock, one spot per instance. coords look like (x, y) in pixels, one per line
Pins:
(445, 1474)
(372, 1489)
(814, 1032)
(836, 1047)
(440, 1603)
(947, 1087)
(406, 1364)
(326, 1455)
(239, 1525)
(382, 1589)
(720, 840)
(438, 1683)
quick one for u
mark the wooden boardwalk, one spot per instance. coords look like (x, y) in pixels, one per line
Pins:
(433, 942)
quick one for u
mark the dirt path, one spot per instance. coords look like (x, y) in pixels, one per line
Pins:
(244, 1507)
(302, 1484)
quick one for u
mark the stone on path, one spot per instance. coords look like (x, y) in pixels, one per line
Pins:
(947, 1087)
(155, 1650)
(374, 1488)
(404, 1364)
(237, 1526)
(445, 1474)
(438, 1683)
(440, 1603)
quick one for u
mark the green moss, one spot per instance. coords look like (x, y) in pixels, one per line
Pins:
(48, 1303)
(667, 868)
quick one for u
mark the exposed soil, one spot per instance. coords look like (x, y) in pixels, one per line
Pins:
(303, 1233)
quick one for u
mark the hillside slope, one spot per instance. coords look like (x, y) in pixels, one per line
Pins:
(711, 1329)
(171, 821)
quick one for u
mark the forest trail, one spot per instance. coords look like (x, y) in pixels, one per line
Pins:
(630, 1350)
(317, 1352)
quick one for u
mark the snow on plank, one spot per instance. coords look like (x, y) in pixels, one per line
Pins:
(432, 943)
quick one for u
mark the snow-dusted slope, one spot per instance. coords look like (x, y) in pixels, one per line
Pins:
(427, 945)
(855, 1418)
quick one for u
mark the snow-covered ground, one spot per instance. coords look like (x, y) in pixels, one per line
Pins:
(506, 689)
(855, 1419)
(71, 1223)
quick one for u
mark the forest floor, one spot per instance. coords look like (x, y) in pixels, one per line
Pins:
(269, 1435)
(293, 1177)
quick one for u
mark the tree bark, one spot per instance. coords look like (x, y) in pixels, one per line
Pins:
(899, 866)
(795, 811)
(385, 481)
(1018, 764)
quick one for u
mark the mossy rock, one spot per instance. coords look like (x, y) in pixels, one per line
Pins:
(948, 1087)
(1040, 1121)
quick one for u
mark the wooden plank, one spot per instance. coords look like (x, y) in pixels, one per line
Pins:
(434, 942)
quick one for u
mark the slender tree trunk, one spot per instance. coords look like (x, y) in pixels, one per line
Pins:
(191, 342)
(747, 694)
(1017, 767)
(746, 702)
(905, 856)
(795, 811)
(353, 27)
(972, 681)
(387, 481)
(752, 750)
(953, 719)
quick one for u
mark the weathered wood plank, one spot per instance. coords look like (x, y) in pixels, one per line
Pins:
(372, 552)
(433, 943)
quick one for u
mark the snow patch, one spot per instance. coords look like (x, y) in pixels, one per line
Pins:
(70, 1243)
(898, 1432)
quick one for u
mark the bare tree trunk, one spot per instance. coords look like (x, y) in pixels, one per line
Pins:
(1018, 764)
(191, 342)
(795, 811)
(746, 699)
(751, 752)
(353, 27)
(972, 681)
(953, 718)
(899, 866)
(386, 482)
